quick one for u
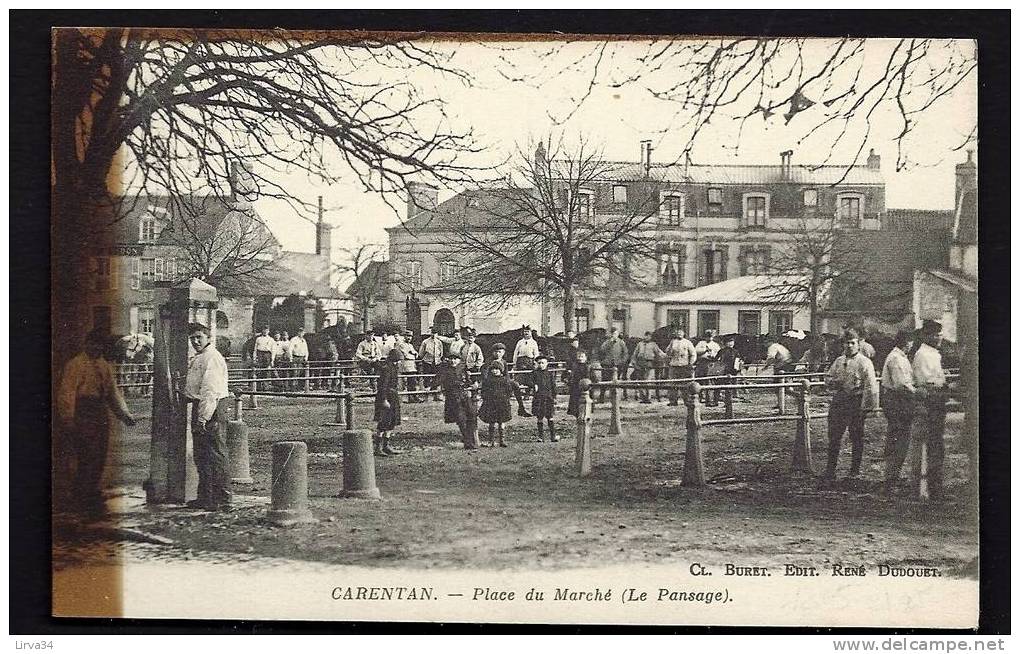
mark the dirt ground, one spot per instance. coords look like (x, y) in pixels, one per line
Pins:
(524, 506)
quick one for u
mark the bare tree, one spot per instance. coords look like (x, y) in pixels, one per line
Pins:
(833, 87)
(137, 111)
(546, 230)
(365, 265)
(816, 256)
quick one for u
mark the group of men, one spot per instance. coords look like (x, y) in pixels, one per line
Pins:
(911, 390)
(284, 359)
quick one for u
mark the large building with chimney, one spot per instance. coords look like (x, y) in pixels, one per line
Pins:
(144, 252)
(716, 224)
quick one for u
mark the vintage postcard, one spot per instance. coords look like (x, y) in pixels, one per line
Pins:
(573, 328)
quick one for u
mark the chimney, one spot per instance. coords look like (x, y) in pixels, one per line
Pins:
(323, 235)
(646, 156)
(966, 177)
(786, 164)
(874, 161)
(421, 197)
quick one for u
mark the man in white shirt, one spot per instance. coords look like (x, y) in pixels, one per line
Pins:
(407, 365)
(898, 406)
(87, 394)
(525, 353)
(682, 357)
(472, 354)
(299, 359)
(205, 386)
(855, 392)
(931, 392)
(431, 355)
(264, 354)
(455, 344)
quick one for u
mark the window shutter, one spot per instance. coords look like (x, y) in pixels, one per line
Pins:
(133, 319)
(742, 218)
(136, 273)
(742, 259)
(724, 254)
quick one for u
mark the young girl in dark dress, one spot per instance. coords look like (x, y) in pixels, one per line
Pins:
(497, 389)
(387, 403)
(543, 403)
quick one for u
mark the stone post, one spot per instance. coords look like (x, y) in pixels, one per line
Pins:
(615, 426)
(359, 465)
(802, 444)
(290, 484)
(173, 477)
(694, 464)
(349, 410)
(582, 455)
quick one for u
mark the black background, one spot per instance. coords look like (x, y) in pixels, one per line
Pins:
(29, 336)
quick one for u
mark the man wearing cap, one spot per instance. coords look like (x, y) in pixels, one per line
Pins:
(264, 353)
(368, 354)
(855, 391)
(87, 394)
(897, 400)
(205, 386)
(472, 354)
(646, 355)
(931, 393)
(613, 355)
(408, 365)
(525, 353)
(682, 357)
(431, 355)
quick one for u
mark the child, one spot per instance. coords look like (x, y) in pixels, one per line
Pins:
(581, 370)
(498, 352)
(543, 403)
(496, 391)
(453, 378)
(387, 403)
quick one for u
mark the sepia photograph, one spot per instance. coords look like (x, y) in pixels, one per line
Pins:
(532, 328)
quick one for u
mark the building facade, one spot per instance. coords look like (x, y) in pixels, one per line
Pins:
(714, 223)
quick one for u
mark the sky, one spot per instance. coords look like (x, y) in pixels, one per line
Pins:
(505, 113)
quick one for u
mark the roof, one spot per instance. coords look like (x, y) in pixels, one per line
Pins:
(376, 269)
(955, 279)
(739, 290)
(709, 174)
(917, 220)
(466, 209)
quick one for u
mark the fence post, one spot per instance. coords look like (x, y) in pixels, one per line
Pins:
(615, 426)
(349, 410)
(802, 444)
(307, 373)
(582, 455)
(694, 464)
(728, 399)
(782, 400)
(238, 404)
(253, 386)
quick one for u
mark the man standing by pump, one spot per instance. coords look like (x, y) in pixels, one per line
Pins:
(205, 386)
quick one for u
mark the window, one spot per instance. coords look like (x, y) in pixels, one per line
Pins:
(754, 260)
(810, 198)
(850, 210)
(104, 273)
(756, 208)
(148, 272)
(671, 269)
(447, 271)
(160, 269)
(585, 203)
(749, 323)
(780, 321)
(146, 319)
(136, 273)
(620, 194)
(147, 229)
(671, 209)
(714, 266)
(708, 320)
(619, 315)
(582, 319)
(412, 271)
(170, 271)
(679, 318)
(715, 198)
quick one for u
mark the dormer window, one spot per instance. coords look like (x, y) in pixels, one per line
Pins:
(756, 210)
(850, 210)
(671, 208)
(147, 229)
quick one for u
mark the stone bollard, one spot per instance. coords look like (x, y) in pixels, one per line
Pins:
(615, 426)
(582, 455)
(694, 463)
(349, 410)
(237, 450)
(802, 444)
(782, 399)
(290, 484)
(359, 465)
(238, 406)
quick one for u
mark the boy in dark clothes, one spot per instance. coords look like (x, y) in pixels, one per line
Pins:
(581, 370)
(387, 404)
(729, 361)
(454, 380)
(543, 403)
(497, 389)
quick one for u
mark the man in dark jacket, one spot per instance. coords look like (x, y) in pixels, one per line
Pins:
(613, 355)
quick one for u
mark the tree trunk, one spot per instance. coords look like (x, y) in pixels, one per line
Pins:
(568, 308)
(813, 308)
